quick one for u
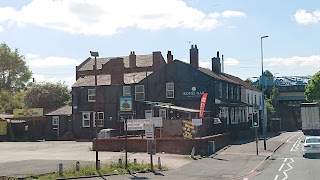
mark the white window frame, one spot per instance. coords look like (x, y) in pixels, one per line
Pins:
(55, 120)
(90, 95)
(139, 92)
(170, 90)
(99, 120)
(126, 90)
(232, 116)
(86, 119)
(163, 113)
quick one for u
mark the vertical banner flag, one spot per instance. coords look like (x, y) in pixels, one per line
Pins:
(203, 104)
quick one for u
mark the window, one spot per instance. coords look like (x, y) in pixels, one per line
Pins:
(238, 93)
(170, 90)
(139, 89)
(255, 99)
(220, 90)
(260, 100)
(91, 95)
(232, 116)
(231, 91)
(126, 91)
(248, 95)
(55, 120)
(163, 113)
(227, 91)
(100, 121)
(251, 98)
(86, 119)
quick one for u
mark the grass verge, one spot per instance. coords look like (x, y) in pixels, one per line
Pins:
(112, 168)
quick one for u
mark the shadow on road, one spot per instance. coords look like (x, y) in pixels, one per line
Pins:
(240, 141)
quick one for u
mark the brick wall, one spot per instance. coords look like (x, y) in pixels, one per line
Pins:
(172, 146)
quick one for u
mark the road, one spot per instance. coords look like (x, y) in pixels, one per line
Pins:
(287, 162)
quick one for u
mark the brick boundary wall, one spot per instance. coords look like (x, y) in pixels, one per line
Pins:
(167, 145)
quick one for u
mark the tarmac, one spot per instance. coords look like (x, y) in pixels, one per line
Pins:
(239, 160)
(236, 161)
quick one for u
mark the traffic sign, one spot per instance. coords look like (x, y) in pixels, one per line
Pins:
(149, 131)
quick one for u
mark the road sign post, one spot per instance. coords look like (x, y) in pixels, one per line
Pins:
(149, 133)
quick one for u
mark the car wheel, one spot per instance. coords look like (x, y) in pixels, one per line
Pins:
(303, 155)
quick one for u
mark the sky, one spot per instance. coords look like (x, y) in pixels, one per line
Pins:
(56, 35)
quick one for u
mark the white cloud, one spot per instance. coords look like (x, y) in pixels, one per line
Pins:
(303, 17)
(35, 60)
(296, 61)
(231, 62)
(230, 14)
(205, 64)
(100, 17)
(1, 28)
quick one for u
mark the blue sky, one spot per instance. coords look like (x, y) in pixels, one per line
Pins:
(57, 35)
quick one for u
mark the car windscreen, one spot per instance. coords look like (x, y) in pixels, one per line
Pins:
(313, 140)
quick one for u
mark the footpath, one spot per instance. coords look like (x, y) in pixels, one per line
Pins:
(236, 161)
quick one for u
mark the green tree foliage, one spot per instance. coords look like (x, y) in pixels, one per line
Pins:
(248, 80)
(270, 109)
(313, 88)
(47, 95)
(14, 73)
(10, 100)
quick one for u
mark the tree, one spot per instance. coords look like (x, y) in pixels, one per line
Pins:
(312, 91)
(14, 73)
(248, 80)
(10, 100)
(47, 95)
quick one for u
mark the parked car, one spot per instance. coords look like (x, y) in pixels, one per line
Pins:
(311, 145)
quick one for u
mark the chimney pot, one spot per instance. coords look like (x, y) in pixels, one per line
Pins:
(218, 56)
(169, 57)
(132, 60)
(194, 57)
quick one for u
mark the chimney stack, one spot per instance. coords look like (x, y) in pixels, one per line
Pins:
(216, 65)
(169, 57)
(132, 60)
(194, 56)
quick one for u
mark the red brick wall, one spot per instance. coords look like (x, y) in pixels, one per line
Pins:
(172, 146)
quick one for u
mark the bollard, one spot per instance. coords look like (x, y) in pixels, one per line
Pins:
(159, 164)
(120, 163)
(60, 169)
(135, 161)
(98, 165)
(77, 166)
(193, 152)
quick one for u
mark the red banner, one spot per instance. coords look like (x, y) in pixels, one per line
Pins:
(203, 104)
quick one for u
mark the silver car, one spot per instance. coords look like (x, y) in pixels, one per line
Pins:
(310, 145)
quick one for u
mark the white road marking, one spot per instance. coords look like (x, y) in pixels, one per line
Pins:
(291, 137)
(285, 171)
(295, 146)
(245, 178)
(285, 138)
(281, 167)
(285, 160)
(275, 178)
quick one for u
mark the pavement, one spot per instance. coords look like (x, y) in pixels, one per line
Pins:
(236, 161)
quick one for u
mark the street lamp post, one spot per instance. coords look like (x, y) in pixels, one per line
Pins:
(96, 54)
(264, 127)
(274, 97)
